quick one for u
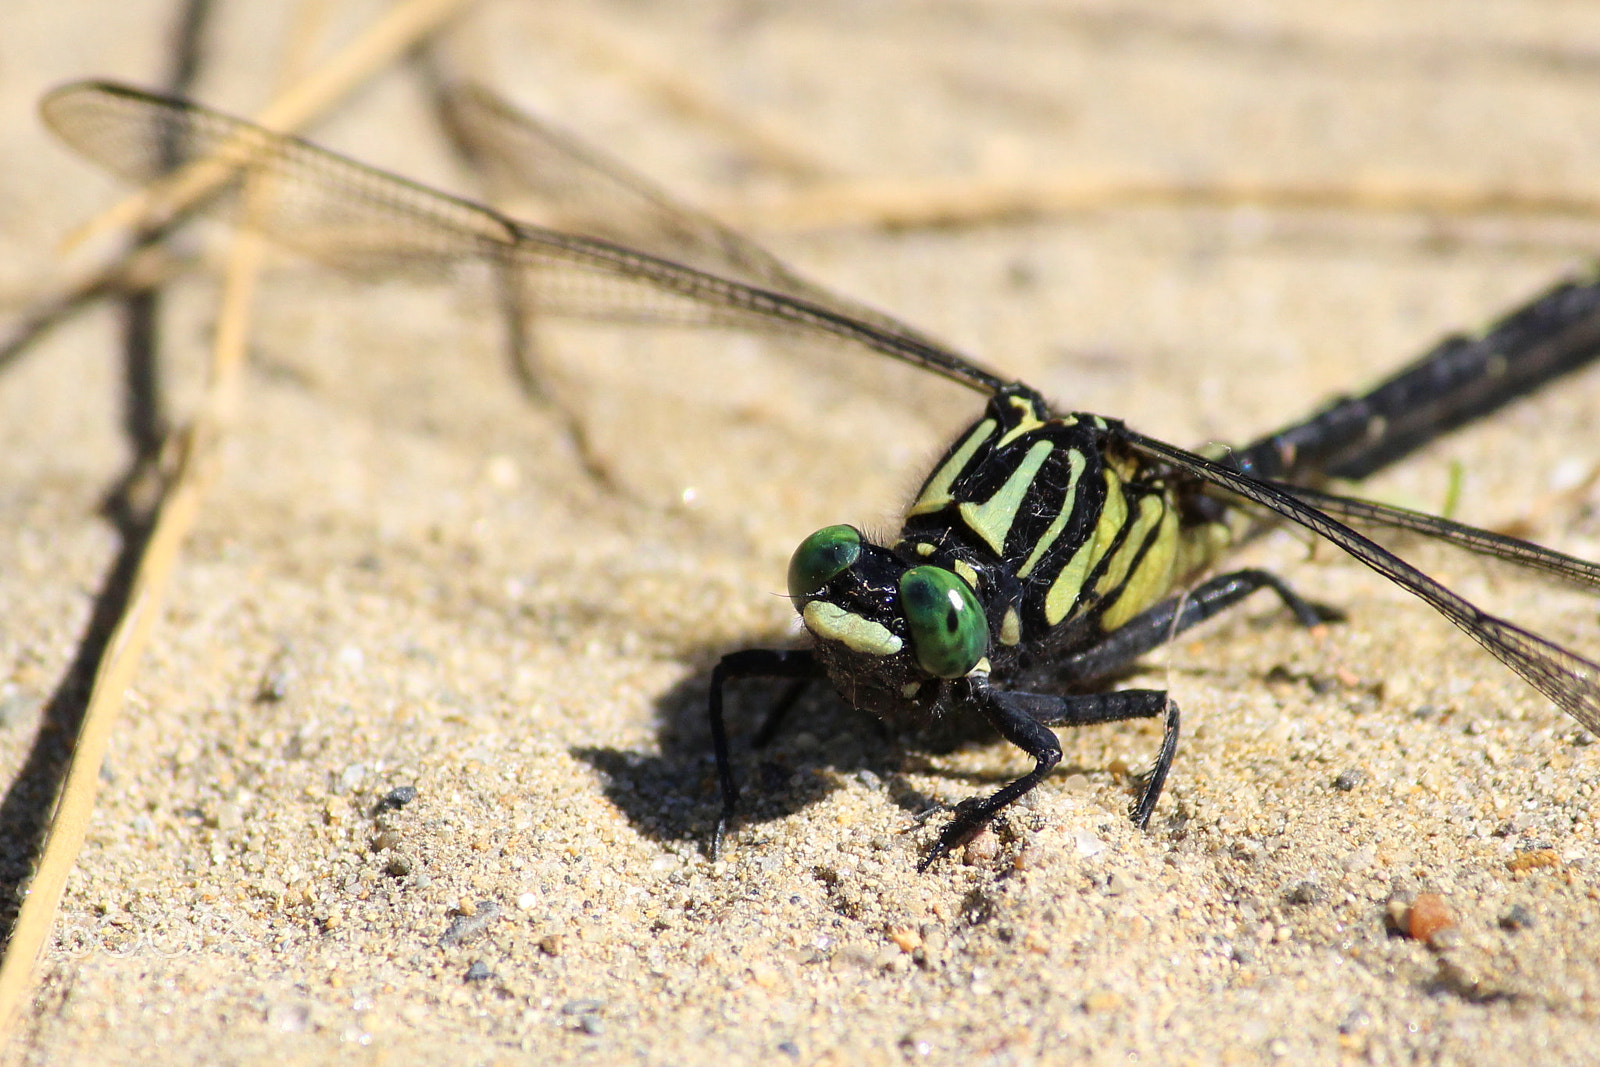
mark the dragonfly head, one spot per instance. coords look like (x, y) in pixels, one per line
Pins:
(882, 624)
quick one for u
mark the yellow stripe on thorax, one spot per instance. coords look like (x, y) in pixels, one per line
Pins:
(1151, 575)
(1064, 590)
(1069, 501)
(936, 494)
(992, 519)
(1027, 421)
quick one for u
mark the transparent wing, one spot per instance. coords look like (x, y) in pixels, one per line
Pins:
(340, 210)
(1525, 554)
(1568, 679)
(587, 192)
(359, 217)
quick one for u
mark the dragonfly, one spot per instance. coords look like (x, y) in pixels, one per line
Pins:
(1045, 553)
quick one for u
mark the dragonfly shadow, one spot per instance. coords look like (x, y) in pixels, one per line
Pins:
(674, 795)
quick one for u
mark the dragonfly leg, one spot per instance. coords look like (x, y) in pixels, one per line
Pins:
(1024, 718)
(1160, 624)
(799, 664)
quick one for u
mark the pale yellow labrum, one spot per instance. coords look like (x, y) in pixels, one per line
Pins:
(833, 623)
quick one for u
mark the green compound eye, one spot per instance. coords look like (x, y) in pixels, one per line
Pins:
(821, 558)
(948, 630)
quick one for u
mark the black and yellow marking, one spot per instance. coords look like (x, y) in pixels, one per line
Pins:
(1038, 500)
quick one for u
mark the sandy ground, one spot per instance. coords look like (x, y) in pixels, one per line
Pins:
(405, 577)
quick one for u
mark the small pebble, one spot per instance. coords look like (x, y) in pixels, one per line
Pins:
(291, 1018)
(1428, 917)
(479, 971)
(1103, 1002)
(1087, 844)
(914, 1045)
(501, 471)
(907, 939)
(1356, 1021)
(351, 777)
(1359, 860)
(466, 927)
(587, 1013)
(276, 684)
(397, 798)
(1349, 778)
(1305, 892)
(1533, 859)
(981, 849)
